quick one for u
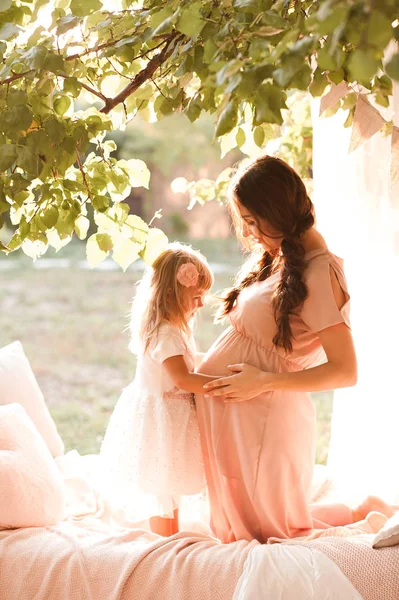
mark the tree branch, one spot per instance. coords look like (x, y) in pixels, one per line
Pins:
(89, 89)
(15, 77)
(143, 75)
(89, 51)
(112, 43)
(83, 173)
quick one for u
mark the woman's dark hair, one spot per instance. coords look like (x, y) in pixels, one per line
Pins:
(271, 190)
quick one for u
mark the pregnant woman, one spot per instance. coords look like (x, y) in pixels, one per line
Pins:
(289, 335)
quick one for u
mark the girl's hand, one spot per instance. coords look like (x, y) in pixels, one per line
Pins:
(247, 383)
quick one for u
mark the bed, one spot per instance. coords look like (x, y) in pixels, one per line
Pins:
(88, 556)
(81, 549)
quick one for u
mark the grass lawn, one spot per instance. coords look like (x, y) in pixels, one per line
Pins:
(72, 324)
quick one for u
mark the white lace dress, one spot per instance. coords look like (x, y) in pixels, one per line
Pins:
(151, 454)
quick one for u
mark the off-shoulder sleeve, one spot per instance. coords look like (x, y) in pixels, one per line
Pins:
(320, 309)
(168, 343)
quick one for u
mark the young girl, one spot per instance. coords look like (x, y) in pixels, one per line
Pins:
(151, 453)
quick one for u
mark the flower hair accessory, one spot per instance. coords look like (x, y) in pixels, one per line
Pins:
(187, 275)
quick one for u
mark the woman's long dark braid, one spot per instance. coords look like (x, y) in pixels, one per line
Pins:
(261, 271)
(291, 291)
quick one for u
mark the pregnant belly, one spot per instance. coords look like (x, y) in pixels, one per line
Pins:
(234, 433)
(233, 347)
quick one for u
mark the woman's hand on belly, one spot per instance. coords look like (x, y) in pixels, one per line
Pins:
(246, 383)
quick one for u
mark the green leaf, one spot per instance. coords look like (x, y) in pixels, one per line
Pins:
(190, 22)
(54, 63)
(15, 242)
(271, 17)
(228, 142)
(8, 154)
(94, 254)
(4, 206)
(55, 129)
(126, 252)
(18, 118)
(268, 102)
(66, 23)
(8, 31)
(17, 98)
(61, 104)
(35, 57)
(325, 61)
(281, 47)
(166, 26)
(289, 68)
(379, 30)
(337, 76)
(160, 16)
(268, 30)
(240, 137)
(381, 100)
(135, 228)
(104, 242)
(362, 66)
(318, 84)
(301, 80)
(28, 160)
(193, 110)
(210, 50)
(73, 186)
(383, 84)
(331, 17)
(259, 136)
(82, 8)
(251, 6)
(34, 248)
(392, 68)
(100, 203)
(57, 240)
(82, 225)
(50, 216)
(72, 87)
(5, 5)
(227, 119)
(349, 119)
(139, 175)
(349, 101)
(156, 243)
(24, 227)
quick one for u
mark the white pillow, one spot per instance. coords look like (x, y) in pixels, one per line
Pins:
(31, 485)
(18, 384)
(389, 534)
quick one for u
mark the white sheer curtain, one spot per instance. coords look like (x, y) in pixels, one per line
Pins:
(357, 211)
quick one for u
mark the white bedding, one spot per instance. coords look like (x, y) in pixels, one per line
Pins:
(279, 572)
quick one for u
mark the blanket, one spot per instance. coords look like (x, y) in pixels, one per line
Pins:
(374, 573)
(90, 561)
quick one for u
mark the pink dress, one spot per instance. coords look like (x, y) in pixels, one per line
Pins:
(259, 454)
